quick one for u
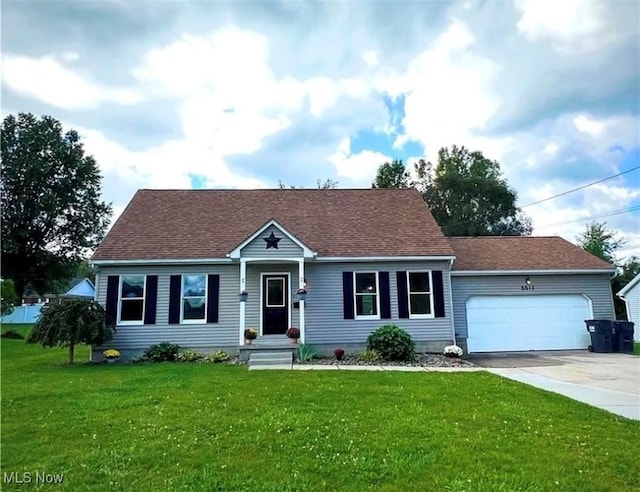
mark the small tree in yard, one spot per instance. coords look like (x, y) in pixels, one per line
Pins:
(70, 323)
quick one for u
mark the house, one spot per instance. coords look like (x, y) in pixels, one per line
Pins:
(630, 293)
(80, 288)
(173, 265)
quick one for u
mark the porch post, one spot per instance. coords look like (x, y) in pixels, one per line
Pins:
(301, 309)
(243, 305)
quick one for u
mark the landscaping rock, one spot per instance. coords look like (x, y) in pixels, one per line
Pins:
(422, 360)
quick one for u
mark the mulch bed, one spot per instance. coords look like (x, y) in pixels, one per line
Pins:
(422, 360)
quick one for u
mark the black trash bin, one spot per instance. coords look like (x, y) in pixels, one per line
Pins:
(601, 332)
(623, 335)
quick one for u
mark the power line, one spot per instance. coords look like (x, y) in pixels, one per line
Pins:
(609, 214)
(581, 187)
(559, 195)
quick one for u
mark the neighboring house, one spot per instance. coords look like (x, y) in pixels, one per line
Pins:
(29, 312)
(81, 288)
(630, 293)
(173, 265)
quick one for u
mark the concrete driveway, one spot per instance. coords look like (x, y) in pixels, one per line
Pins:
(607, 381)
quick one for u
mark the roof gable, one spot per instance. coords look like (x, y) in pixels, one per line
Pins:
(83, 288)
(522, 253)
(260, 243)
(627, 288)
(209, 224)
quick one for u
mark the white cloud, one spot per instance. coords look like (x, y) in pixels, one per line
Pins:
(50, 81)
(360, 168)
(370, 57)
(572, 25)
(589, 126)
(166, 166)
(449, 94)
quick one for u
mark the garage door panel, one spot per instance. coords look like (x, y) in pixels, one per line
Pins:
(527, 322)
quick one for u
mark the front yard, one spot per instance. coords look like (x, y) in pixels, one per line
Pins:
(213, 427)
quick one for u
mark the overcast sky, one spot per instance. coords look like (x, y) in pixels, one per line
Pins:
(243, 94)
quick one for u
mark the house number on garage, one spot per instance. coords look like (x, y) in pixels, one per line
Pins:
(527, 287)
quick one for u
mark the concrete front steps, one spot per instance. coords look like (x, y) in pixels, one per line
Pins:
(271, 359)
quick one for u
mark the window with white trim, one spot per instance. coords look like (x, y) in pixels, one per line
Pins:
(132, 292)
(367, 297)
(194, 299)
(420, 294)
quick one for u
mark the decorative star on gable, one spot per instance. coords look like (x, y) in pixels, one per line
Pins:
(272, 241)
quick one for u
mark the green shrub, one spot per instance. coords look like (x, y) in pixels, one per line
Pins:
(392, 343)
(306, 352)
(12, 334)
(162, 352)
(369, 357)
(188, 356)
(217, 357)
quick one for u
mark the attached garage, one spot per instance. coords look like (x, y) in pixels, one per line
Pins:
(526, 293)
(519, 323)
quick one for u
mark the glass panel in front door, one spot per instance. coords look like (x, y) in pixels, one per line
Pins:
(275, 292)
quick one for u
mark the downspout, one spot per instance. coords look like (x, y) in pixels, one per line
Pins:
(627, 308)
(453, 323)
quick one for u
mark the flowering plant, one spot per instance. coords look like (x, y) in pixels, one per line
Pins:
(111, 354)
(453, 351)
(293, 333)
(250, 334)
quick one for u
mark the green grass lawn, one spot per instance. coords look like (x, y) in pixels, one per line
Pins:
(636, 348)
(212, 427)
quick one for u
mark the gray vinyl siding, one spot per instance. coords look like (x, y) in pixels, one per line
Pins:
(325, 323)
(257, 248)
(252, 315)
(224, 333)
(596, 287)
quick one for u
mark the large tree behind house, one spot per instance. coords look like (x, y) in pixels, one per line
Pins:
(468, 195)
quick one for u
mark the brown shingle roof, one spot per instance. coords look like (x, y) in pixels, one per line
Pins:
(185, 224)
(522, 253)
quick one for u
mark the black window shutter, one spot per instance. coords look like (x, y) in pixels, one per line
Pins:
(403, 298)
(111, 306)
(438, 293)
(174, 299)
(385, 296)
(347, 294)
(150, 300)
(213, 288)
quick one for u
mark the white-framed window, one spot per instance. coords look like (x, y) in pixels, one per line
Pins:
(367, 297)
(132, 296)
(275, 292)
(420, 292)
(194, 299)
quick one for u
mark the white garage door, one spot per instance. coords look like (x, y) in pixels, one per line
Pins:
(537, 322)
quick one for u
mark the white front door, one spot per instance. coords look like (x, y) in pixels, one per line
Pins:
(537, 322)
